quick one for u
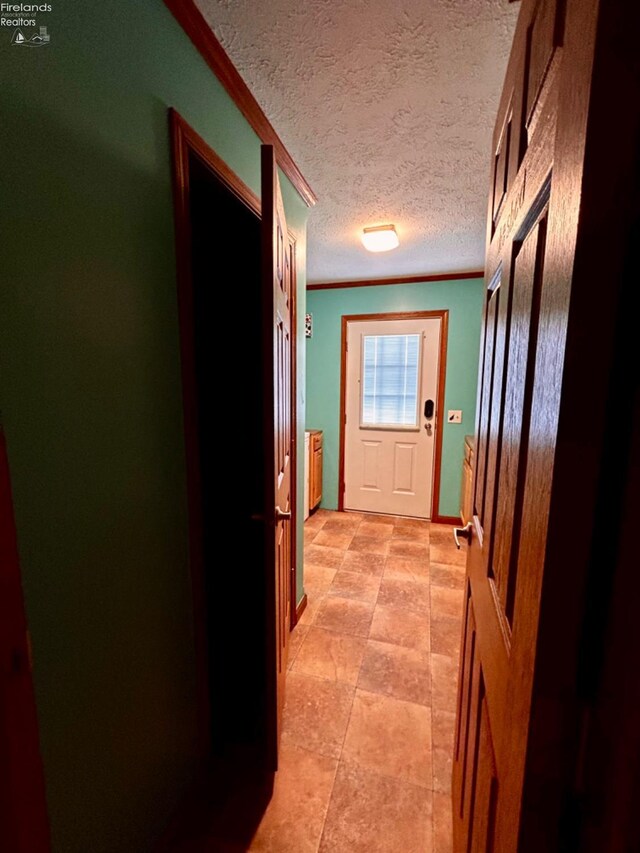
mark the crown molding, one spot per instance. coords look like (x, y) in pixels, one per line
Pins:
(196, 27)
(405, 279)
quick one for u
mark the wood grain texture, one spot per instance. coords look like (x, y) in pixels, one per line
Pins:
(295, 498)
(551, 617)
(517, 434)
(193, 23)
(185, 139)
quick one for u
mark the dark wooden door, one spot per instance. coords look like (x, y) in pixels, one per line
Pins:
(534, 212)
(277, 277)
(23, 815)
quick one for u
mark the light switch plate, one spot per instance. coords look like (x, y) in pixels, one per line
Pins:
(454, 416)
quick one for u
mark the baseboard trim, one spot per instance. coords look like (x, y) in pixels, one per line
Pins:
(301, 607)
(446, 519)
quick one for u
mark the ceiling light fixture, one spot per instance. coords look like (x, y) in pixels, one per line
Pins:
(380, 238)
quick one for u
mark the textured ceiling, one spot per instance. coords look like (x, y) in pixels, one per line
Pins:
(387, 108)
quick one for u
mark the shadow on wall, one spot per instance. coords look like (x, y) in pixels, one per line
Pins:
(92, 407)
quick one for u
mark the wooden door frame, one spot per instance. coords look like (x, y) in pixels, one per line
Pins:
(443, 316)
(185, 140)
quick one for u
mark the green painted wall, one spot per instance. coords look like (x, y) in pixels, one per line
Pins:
(463, 299)
(91, 401)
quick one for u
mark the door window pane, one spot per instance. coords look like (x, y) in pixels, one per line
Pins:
(390, 374)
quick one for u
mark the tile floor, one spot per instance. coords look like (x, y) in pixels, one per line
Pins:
(368, 724)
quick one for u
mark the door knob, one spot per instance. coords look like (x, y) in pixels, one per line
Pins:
(464, 532)
(281, 515)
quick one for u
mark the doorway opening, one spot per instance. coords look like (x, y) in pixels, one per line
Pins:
(220, 257)
(393, 370)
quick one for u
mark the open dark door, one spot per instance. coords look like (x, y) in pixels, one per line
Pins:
(547, 339)
(23, 816)
(278, 446)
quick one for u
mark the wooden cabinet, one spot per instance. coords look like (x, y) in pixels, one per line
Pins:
(315, 468)
(466, 491)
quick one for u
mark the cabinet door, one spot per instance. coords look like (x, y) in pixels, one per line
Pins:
(467, 487)
(317, 477)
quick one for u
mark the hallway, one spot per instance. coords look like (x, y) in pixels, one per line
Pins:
(369, 718)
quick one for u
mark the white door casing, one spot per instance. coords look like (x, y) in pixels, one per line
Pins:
(389, 443)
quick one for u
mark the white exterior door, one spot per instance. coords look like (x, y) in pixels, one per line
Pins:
(391, 396)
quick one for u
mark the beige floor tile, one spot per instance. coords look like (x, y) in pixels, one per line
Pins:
(295, 641)
(442, 823)
(323, 515)
(314, 523)
(356, 585)
(407, 568)
(372, 518)
(445, 635)
(323, 555)
(406, 594)
(442, 766)
(316, 713)
(345, 616)
(409, 548)
(295, 816)
(448, 553)
(447, 602)
(442, 534)
(443, 724)
(317, 579)
(314, 600)
(343, 519)
(416, 523)
(391, 737)
(412, 534)
(376, 531)
(335, 657)
(310, 534)
(369, 544)
(396, 671)
(449, 576)
(444, 682)
(361, 561)
(371, 691)
(369, 813)
(400, 626)
(335, 538)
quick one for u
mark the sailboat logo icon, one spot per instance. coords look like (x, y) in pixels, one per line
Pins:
(19, 38)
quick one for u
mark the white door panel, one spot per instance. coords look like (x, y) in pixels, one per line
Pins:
(404, 468)
(392, 370)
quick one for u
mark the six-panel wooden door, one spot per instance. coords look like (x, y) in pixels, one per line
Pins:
(531, 200)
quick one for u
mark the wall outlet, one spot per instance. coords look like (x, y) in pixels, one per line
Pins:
(454, 416)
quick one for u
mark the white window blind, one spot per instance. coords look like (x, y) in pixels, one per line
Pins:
(390, 372)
